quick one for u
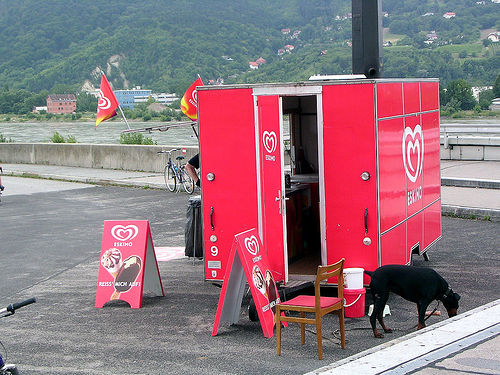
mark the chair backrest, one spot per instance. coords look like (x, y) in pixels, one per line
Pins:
(327, 272)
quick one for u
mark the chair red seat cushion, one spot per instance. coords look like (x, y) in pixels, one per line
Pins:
(310, 301)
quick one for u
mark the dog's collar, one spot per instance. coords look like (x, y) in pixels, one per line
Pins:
(447, 293)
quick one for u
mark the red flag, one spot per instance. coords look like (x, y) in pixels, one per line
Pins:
(189, 102)
(106, 107)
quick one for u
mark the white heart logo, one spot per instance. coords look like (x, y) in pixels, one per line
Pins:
(123, 233)
(103, 102)
(269, 141)
(194, 96)
(413, 148)
(252, 245)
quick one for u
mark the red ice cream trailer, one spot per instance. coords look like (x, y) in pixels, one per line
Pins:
(324, 170)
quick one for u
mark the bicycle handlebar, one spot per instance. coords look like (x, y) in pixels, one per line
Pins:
(14, 306)
(18, 305)
(168, 152)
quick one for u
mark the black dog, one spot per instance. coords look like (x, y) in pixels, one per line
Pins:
(415, 284)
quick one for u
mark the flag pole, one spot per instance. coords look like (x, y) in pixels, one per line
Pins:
(192, 124)
(194, 130)
(124, 118)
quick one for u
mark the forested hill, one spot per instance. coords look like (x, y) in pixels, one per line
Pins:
(163, 45)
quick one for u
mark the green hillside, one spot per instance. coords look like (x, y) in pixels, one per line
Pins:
(163, 45)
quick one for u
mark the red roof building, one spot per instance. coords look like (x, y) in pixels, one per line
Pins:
(260, 61)
(61, 103)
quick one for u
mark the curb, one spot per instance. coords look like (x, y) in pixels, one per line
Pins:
(471, 212)
(472, 183)
(88, 180)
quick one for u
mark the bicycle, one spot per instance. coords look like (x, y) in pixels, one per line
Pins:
(5, 368)
(175, 174)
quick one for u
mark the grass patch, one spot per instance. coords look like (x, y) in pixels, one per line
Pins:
(388, 37)
(136, 139)
(58, 138)
(468, 49)
(466, 216)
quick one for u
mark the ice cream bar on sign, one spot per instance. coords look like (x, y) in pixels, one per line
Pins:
(128, 263)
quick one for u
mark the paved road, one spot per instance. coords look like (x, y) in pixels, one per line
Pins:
(48, 227)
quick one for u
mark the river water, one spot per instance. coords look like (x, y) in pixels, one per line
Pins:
(109, 132)
(86, 132)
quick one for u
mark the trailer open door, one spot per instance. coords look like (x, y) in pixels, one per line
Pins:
(272, 205)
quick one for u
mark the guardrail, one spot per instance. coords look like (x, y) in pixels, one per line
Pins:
(470, 128)
(458, 129)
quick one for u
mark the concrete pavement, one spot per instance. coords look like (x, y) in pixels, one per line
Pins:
(471, 188)
(438, 349)
(468, 343)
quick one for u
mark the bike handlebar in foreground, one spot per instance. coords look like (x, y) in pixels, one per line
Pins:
(14, 306)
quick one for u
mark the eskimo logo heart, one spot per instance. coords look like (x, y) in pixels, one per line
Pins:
(413, 152)
(122, 233)
(103, 102)
(252, 245)
(269, 141)
(194, 96)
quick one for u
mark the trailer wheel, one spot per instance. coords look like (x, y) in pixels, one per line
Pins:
(252, 311)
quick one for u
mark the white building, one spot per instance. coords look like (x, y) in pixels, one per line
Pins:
(495, 105)
(162, 98)
(477, 90)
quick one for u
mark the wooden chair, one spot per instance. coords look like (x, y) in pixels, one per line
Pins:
(317, 305)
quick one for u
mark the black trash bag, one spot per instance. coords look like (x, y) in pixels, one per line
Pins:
(193, 230)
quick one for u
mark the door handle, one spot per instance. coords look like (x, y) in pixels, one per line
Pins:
(278, 199)
(366, 220)
(212, 218)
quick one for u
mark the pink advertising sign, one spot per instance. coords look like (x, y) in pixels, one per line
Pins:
(128, 263)
(248, 262)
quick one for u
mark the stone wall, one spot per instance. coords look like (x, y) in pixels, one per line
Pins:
(126, 157)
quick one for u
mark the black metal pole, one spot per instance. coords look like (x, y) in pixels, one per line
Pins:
(367, 38)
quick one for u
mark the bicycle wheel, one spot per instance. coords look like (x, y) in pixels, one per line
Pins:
(187, 182)
(169, 175)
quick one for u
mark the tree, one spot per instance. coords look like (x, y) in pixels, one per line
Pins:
(461, 92)
(496, 87)
(86, 102)
(485, 99)
(62, 89)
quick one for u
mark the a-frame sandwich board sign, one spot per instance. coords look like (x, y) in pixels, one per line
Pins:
(248, 262)
(128, 263)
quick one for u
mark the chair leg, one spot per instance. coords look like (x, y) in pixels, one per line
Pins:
(278, 330)
(302, 329)
(319, 337)
(342, 328)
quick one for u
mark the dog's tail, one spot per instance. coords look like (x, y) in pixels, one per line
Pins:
(369, 273)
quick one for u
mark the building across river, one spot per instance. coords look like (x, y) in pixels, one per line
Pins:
(129, 98)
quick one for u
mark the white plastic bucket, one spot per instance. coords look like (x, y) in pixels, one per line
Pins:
(353, 278)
